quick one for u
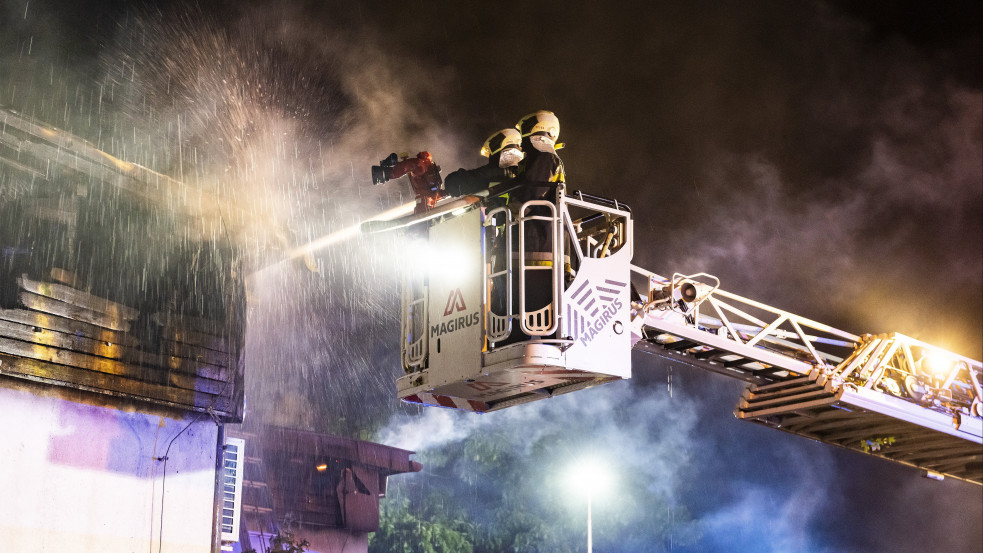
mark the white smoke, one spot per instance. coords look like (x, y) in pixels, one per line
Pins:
(853, 247)
(638, 430)
(432, 429)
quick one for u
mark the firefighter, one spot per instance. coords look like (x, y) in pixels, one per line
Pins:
(538, 175)
(504, 152)
(541, 165)
(539, 172)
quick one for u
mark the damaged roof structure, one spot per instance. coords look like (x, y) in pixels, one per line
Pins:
(115, 278)
(122, 334)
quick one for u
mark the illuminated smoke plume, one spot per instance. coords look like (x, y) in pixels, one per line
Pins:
(282, 120)
(278, 121)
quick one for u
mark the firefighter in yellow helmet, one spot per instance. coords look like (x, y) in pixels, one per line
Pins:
(503, 150)
(539, 173)
(541, 169)
(540, 131)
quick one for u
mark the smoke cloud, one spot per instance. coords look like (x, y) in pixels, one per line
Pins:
(898, 227)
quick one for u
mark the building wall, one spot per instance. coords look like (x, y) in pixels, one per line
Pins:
(332, 540)
(78, 472)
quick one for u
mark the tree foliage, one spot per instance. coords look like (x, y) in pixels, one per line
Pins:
(404, 529)
(503, 487)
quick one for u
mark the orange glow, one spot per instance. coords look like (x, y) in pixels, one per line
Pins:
(322, 467)
(937, 364)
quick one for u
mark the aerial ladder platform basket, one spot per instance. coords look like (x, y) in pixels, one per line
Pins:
(537, 299)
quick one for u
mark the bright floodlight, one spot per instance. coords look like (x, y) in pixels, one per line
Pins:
(448, 264)
(937, 364)
(590, 478)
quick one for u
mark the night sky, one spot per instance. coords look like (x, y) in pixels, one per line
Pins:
(822, 157)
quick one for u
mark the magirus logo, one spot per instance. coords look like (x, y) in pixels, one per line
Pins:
(455, 304)
(592, 308)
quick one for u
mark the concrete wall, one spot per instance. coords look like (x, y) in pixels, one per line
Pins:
(78, 473)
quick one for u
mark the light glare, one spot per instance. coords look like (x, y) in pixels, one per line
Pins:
(937, 364)
(447, 263)
(590, 478)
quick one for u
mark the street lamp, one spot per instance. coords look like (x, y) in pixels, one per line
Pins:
(589, 478)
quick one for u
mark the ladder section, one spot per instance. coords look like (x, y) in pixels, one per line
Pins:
(816, 407)
(690, 316)
(921, 373)
(887, 395)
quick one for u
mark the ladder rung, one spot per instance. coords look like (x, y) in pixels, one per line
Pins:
(680, 345)
(708, 353)
(783, 384)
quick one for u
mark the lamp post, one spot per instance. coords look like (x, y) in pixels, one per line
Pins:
(590, 540)
(589, 478)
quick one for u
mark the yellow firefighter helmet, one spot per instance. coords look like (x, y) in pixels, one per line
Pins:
(501, 140)
(540, 121)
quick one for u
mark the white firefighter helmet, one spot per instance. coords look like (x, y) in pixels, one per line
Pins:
(540, 121)
(501, 140)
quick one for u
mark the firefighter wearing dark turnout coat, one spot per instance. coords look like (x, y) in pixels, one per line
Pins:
(538, 175)
(541, 168)
(503, 150)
